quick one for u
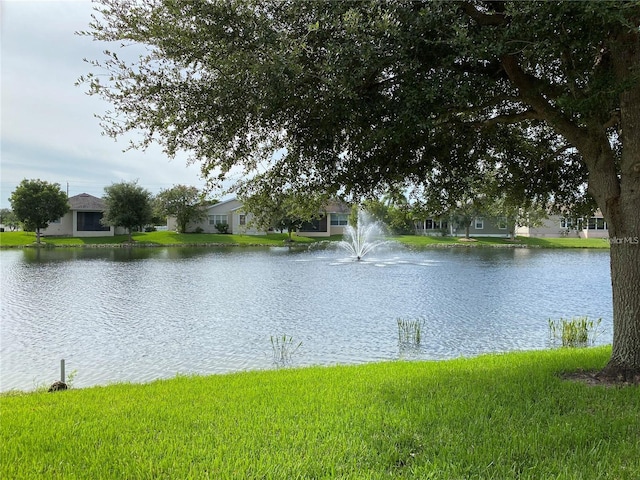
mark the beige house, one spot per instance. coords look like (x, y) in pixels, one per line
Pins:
(231, 213)
(559, 226)
(332, 222)
(228, 212)
(82, 219)
(484, 226)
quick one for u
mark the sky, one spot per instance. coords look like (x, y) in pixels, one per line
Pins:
(48, 128)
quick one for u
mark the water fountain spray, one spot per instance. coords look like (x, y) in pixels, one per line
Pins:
(364, 237)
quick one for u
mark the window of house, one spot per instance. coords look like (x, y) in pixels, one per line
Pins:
(428, 224)
(479, 224)
(566, 222)
(90, 222)
(217, 219)
(502, 223)
(243, 219)
(339, 219)
(314, 226)
(591, 224)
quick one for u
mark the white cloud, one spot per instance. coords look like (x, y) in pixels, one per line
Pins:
(48, 128)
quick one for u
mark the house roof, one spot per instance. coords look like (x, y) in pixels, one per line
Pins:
(337, 206)
(225, 205)
(84, 201)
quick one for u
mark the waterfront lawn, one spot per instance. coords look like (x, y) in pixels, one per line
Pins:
(15, 239)
(19, 239)
(428, 241)
(495, 416)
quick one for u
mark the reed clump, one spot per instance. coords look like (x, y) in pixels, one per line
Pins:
(574, 332)
(410, 330)
(283, 348)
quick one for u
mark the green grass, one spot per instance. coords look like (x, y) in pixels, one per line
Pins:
(160, 238)
(496, 416)
(426, 241)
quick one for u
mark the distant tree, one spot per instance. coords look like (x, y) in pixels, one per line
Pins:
(128, 205)
(8, 218)
(37, 203)
(182, 202)
(515, 214)
(287, 210)
(393, 211)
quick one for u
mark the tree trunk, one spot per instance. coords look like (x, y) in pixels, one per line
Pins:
(622, 212)
(625, 282)
(624, 234)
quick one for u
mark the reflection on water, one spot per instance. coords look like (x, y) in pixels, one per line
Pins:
(122, 314)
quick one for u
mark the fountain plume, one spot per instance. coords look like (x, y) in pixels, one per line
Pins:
(361, 239)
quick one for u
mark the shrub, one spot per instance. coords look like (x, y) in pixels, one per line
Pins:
(222, 227)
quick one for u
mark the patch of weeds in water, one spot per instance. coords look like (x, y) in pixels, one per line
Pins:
(410, 331)
(576, 332)
(283, 348)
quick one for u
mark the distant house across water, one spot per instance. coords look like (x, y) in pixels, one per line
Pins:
(82, 220)
(559, 226)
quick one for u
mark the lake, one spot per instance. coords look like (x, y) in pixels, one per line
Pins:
(141, 314)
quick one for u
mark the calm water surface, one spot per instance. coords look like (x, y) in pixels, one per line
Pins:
(142, 314)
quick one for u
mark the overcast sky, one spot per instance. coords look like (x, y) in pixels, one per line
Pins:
(48, 128)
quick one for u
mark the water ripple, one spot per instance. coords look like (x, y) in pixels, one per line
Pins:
(137, 316)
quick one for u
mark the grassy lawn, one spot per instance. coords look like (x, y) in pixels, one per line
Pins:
(422, 241)
(496, 416)
(15, 239)
(19, 239)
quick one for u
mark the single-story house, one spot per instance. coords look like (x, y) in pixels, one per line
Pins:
(559, 226)
(231, 213)
(332, 222)
(82, 219)
(480, 227)
(227, 212)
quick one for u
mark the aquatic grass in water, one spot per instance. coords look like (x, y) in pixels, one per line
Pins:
(283, 349)
(410, 331)
(577, 332)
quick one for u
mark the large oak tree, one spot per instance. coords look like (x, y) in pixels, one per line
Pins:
(350, 97)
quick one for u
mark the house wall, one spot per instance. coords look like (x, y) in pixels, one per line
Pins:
(63, 227)
(552, 227)
(67, 226)
(325, 231)
(90, 233)
(247, 228)
(491, 227)
(234, 212)
(232, 209)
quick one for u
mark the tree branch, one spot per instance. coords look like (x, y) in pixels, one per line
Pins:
(530, 92)
(512, 118)
(482, 18)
